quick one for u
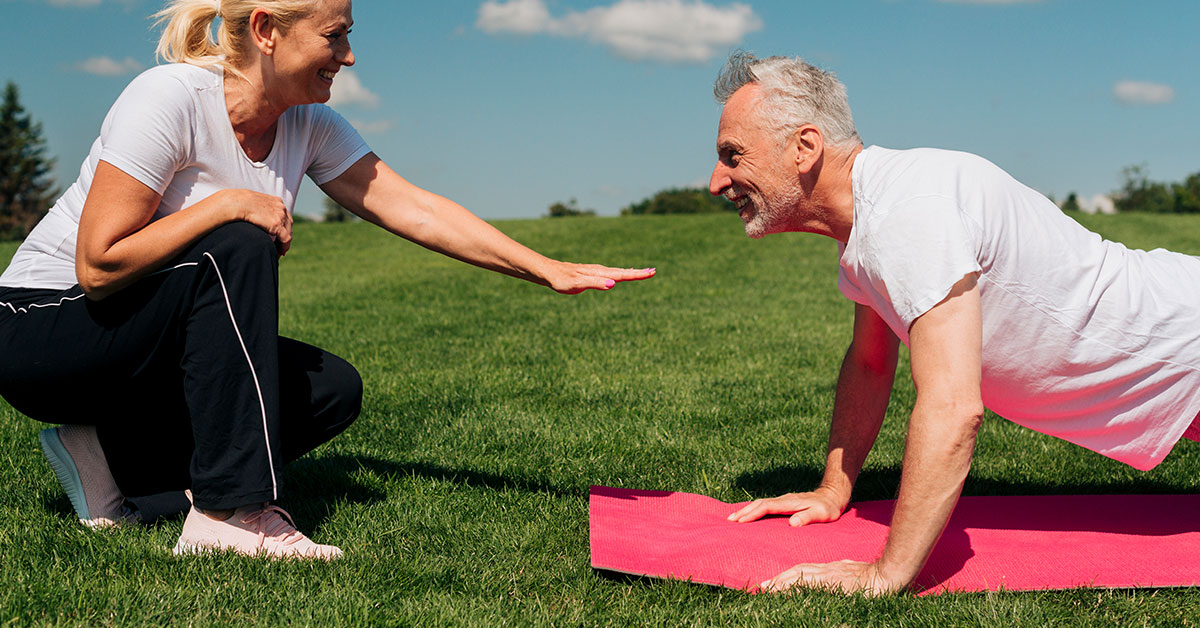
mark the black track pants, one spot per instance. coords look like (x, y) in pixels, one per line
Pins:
(183, 373)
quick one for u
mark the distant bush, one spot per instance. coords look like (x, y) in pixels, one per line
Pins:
(1140, 194)
(570, 208)
(334, 212)
(680, 201)
(1072, 203)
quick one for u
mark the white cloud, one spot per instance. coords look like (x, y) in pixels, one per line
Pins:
(1143, 93)
(523, 17)
(373, 128)
(681, 31)
(990, 1)
(107, 66)
(349, 90)
(1098, 204)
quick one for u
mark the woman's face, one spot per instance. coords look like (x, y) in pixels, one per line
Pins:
(311, 52)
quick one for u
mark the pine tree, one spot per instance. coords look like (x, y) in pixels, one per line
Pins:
(26, 188)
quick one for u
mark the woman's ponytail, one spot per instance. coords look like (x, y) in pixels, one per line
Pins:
(187, 36)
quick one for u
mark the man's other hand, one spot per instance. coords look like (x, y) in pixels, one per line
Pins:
(818, 506)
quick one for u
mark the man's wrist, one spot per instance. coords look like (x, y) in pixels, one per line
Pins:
(892, 577)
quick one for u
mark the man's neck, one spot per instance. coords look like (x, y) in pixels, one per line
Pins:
(831, 199)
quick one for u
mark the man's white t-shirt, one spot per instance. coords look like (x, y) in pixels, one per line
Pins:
(1083, 339)
(170, 130)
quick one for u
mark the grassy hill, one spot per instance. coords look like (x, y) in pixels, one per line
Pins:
(460, 495)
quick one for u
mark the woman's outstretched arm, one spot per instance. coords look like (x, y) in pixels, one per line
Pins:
(375, 192)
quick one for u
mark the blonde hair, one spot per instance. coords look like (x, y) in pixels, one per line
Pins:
(187, 36)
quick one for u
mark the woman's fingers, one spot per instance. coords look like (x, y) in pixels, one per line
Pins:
(580, 277)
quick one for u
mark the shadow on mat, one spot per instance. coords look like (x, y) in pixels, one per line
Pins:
(954, 547)
(876, 484)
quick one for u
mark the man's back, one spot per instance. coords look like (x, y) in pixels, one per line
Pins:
(1083, 338)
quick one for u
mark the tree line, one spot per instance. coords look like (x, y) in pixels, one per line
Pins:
(1140, 194)
(27, 189)
(684, 200)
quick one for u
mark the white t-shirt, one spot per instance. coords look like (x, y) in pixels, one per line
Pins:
(1083, 339)
(170, 130)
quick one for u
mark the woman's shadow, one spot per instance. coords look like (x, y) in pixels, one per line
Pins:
(316, 484)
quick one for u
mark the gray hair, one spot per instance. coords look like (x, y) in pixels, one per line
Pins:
(795, 94)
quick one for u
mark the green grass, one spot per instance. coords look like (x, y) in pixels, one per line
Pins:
(460, 495)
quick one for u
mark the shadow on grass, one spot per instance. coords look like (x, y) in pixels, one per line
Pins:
(315, 484)
(876, 484)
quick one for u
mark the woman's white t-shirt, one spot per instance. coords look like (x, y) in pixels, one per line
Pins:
(170, 130)
(1083, 338)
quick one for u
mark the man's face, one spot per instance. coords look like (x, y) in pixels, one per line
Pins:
(752, 170)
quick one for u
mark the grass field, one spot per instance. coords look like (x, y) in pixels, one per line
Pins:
(460, 495)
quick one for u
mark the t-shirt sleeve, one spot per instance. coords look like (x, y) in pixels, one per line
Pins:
(845, 285)
(148, 133)
(335, 145)
(919, 251)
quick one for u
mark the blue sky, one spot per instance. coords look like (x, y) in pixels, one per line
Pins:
(510, 105)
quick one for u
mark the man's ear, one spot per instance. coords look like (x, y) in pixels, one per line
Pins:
(262, 31)
(808, 145)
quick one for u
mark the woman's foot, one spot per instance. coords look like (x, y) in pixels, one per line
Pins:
(74, 454)
(260, 530)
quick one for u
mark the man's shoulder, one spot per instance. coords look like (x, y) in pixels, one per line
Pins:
(922, 157)
(890, 176)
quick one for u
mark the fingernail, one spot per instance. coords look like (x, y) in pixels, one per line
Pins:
(610, 283)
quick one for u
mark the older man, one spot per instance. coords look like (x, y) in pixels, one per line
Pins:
(1003, 301)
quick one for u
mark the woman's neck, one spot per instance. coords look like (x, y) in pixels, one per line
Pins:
(252, 114)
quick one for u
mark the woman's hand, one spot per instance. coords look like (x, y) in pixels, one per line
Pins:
(568, 278)
(819, 506)
(262, 210)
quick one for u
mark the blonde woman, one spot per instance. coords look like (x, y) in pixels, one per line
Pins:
(142, 311)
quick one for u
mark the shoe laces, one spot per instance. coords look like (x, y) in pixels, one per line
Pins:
(275, 523)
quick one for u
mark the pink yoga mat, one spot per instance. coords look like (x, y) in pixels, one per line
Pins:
(991, 543)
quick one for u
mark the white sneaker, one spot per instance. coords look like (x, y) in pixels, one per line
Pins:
(262, 530)
(74, 454)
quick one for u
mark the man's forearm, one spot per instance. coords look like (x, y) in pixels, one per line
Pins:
(860, 403)
(937, 458)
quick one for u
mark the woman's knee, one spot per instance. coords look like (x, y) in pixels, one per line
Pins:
(347, 391)
(238, 240)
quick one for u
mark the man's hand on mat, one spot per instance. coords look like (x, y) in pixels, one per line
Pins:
(848, 576)
(571, 278)
(819, 506)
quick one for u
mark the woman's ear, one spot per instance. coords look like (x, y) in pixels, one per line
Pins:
(263, 31)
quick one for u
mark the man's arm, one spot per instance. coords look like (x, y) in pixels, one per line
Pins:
(863, 389)
(945, 346)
